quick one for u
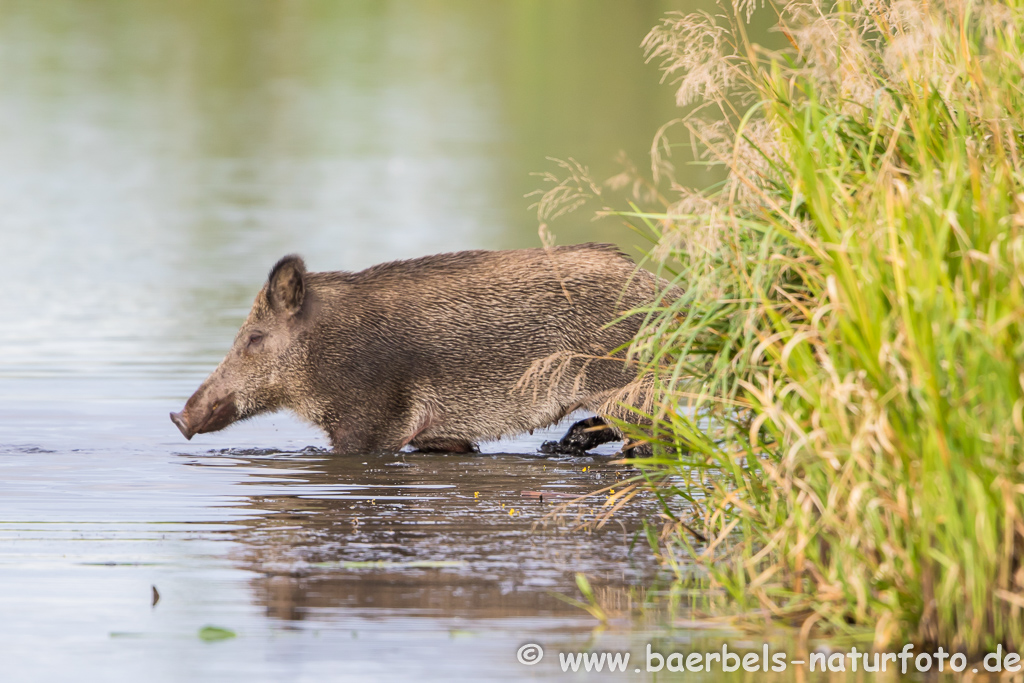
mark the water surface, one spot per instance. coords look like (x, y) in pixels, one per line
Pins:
(324, 567)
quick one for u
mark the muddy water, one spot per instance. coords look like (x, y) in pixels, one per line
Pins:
(155, 159)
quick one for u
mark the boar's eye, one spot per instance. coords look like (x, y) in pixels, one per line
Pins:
(255, 338)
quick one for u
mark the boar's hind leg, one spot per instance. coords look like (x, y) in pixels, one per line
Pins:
(581, 437)
(444, 445)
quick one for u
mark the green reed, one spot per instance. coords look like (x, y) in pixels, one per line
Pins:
(849, 350)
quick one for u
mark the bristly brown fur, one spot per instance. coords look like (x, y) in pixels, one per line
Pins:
(437, 352)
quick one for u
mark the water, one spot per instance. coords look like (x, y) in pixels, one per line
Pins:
(271, 546)
(156, 158)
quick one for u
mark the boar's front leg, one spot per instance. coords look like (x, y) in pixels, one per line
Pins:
(444, 445)
(582, 437)
(424, 421)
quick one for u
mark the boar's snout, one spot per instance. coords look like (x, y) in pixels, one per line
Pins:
(179, 421)
(195, 418)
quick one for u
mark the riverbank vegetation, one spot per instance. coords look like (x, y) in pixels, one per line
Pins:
(850, 346)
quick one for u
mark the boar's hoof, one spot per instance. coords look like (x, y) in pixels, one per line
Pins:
(556, 448)
(581, 437)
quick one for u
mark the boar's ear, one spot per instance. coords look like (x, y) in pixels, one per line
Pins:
(286, 285)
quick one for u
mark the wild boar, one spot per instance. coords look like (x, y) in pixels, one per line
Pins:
(438, 353)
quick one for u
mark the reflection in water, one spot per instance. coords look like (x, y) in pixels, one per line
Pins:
(452, 536)
(270, 545)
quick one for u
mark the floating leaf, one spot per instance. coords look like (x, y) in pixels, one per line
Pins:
(214, 633)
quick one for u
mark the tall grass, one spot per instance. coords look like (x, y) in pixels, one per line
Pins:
(850, 347)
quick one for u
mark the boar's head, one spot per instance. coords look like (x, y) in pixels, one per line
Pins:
(261, 370)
